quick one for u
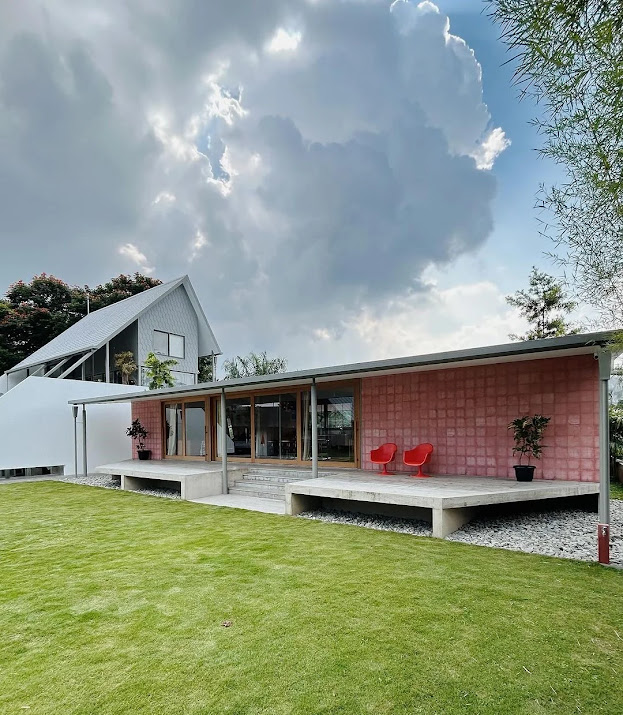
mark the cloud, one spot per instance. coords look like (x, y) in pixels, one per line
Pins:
(492, 146)
(305, 162)
(140, 259)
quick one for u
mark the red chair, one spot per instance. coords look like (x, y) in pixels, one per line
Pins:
(417, 457)
(384, 455)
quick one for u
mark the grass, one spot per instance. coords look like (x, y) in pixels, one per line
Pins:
(616, 490)
(113, 602)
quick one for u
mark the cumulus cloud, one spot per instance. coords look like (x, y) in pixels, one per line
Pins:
(305, 162)
(129, 250)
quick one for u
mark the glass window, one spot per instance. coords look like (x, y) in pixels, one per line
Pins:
(161, 342)
(195, 420)
(335, 418)
(176, 346)
(237, 427)
(173, 429)
(275, 426)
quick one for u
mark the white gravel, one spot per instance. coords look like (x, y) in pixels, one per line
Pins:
(108, 482)
(566, 533)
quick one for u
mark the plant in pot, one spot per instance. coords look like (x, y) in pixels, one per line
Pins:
(528, 434)
(139, 433)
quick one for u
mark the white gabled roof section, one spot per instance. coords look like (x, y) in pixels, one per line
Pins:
(100, 326)
(207, 340)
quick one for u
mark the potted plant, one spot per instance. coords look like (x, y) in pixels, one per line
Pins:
(139, 433)
(528, 434)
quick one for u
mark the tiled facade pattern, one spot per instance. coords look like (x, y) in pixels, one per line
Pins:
(149, 413)
(172, 314)
(464, 413)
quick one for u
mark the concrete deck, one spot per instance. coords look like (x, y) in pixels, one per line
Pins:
(449, 502)
(196, 479)
(239, 501)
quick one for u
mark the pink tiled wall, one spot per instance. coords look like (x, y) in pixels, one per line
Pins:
(150, 414)
(464, 413)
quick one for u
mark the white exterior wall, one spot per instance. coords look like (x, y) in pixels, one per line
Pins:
(37, 426)
(172, 314)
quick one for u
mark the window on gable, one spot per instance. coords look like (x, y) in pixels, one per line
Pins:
(169, 344)
(176, 345)
(161, 342)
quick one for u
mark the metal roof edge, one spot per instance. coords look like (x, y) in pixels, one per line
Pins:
(528, 347)
(192, 295)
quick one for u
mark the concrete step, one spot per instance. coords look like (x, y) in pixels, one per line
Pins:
(261, 493)
(278, 488)
(292, 475)
(272, 478)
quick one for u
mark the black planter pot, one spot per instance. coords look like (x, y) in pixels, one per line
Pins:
(524, 472)
(144, 453)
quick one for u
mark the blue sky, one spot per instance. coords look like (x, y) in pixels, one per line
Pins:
(515, 244)
(332, 174)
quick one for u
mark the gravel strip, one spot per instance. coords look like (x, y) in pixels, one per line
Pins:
(565, 533)
(108, 482)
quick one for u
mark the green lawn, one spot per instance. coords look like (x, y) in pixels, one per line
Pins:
(113, 602)
(616, 490)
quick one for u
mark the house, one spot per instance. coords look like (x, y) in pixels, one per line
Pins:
(460, 401)
(167, 320)
(36, 423)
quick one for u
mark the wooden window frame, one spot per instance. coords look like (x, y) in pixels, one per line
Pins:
(211, 406)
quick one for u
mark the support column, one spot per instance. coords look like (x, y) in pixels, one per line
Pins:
(107, 364)
(224, 439)
(74, 409)
(603, 528)
(84, 440)
(314, 428)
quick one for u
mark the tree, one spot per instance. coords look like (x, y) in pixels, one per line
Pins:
(124, 362)
(205, 369)
(544, 306)
(253, 364)
(159, 372)
(569, 58)
(118, 288)
(34, 313)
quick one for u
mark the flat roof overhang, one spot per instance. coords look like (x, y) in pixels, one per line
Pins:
(511, 352)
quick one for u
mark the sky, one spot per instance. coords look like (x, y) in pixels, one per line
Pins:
(342, 180)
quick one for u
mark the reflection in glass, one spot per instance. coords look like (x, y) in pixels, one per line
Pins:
(195, 429)
(237, 427)
(275, 426)
(335, 419)
(173, 429)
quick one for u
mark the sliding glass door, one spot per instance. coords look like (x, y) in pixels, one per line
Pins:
(265, 426)
(185, 429)
(238, 427)
(275, 426)
(335, 418)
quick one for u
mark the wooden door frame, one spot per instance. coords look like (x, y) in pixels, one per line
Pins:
(183, 402)
(212, 403)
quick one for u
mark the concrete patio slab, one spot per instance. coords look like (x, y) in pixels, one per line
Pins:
(451, 501)
(238, 501)
(196, 479)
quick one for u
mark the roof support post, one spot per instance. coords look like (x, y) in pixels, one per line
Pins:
(224, 439)
(107, 364)
(74, 409)
(84, 440)
(314, 428)
(55, 368)
(74, 365)
(603, 528)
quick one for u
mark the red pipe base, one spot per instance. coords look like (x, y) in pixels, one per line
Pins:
(603, 543)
